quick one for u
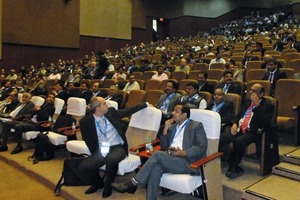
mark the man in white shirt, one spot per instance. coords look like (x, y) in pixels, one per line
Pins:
(160, 74)
(218, 59)
(131, 85)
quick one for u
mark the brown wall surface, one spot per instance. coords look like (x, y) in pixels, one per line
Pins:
(45, 23)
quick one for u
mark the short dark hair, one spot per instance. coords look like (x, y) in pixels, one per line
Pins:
(273, 60)
(185, 109)
(174, 83)
(204, 73)
(193, 84)
(227, 72)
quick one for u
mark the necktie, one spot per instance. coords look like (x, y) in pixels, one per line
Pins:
(247, 118)
(271, 77)
(225, 88)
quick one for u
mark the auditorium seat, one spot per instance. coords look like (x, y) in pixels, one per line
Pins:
(184, 82)
(152, 84)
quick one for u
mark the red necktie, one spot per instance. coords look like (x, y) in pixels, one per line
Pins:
(247, 118)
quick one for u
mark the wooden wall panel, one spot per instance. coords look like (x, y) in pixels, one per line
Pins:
(45, 23)
(106, 18)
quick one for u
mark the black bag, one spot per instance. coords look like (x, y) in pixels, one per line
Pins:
(64, 121)
(71, 175)
(44, 149)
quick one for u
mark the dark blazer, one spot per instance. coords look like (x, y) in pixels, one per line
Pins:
(207, 87)
(226, 111)
(10, 107)
(25, 112)
(277, 75)
(45, 111)
(194, 140)
(175, 99)
(233, 88)
(87, 95)
(88, 127)
(262, 115)
(62, 95)
(117, 98)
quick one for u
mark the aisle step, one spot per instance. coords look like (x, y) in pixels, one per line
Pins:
(288, 170)
(272, 187)
(292, 157)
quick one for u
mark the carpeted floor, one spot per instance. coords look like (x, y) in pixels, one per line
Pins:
(29, 181)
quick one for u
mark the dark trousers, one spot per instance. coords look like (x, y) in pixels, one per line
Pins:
(92, 164)
(240, 142)
(19, 127)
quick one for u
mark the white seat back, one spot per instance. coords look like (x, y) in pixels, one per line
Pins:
(111, 103)
(76, 106)
(37, 100)
(212, 125)
(58, 104)
(143, 124)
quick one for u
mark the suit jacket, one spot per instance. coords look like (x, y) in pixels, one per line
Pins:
(45, 111)
(10, 107)
(62, 95)
(207, 87)
(175, 99)
(25, 112)
(87, 95)
(233, 88)
(277, 75)
(262, 115)
(226, 111)
(117, 98)
(194, 140)
(88, 127)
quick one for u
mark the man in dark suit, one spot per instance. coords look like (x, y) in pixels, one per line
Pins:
(105, 137)
(293, 44)
(85, 92)
(185, 141)
(203, 84)
(10, 103)
(167, 102)
(22, 112)
(255, 113)
(60, 92)
(221, 106)
(42, 114)
(97, 92)
(265, 59)
(113, 95)
(273, 74)
(228, 85)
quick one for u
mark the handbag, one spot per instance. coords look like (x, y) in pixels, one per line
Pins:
(71, 175)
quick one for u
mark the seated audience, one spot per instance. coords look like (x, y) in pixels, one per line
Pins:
(160, 74)
(221, 106)
(183, 67)
(193, 99)
(203, 84)
(131, 85)
(255, 113)
(23, 112)
(228, 85)
(113, 95)
(273, 74)
(190, 144)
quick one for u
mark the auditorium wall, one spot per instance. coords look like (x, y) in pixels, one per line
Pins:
(0, 30)
(63, 23)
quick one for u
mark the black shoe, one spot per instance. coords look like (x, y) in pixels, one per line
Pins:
(107, 191)
(3, 148)
(94, 188)
(234, 172)
(124, 187)
(18, 149)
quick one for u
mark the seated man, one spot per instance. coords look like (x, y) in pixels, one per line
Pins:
(193, 99)
(167, 102)
(105, 137)
(185, 141)
(221, 106)
(255, 113)
(228, 85)
(203, 84)
(273, 74)
(131, 85)
(23, 112)
(113, 95)
(9, 104)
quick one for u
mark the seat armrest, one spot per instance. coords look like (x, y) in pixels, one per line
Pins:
(68, 130)
(203, 161)
(142, 147)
